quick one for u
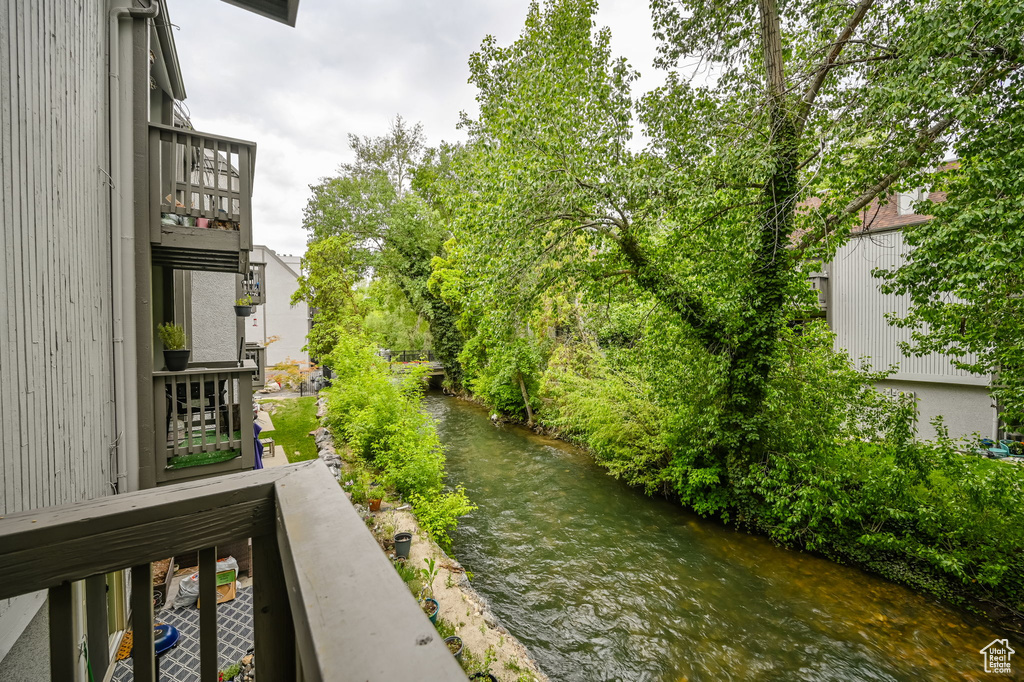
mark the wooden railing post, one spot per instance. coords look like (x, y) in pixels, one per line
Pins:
(274, 630)
(96, 624)
(62, 634)
(208, 614)
(143, 653)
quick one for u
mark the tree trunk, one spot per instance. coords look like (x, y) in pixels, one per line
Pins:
(526, 400)
(744, 420)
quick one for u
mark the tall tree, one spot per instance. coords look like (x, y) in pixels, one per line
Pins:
(842, 101)
(380, 228)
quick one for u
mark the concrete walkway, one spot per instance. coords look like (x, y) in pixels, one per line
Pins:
(279, 458)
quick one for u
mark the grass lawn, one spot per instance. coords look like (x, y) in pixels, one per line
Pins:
(293, 419)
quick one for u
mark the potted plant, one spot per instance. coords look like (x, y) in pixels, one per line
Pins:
(403, 541)
(454, 644)
(375, 496)
(243, 306)
(175, 353)
(430, 607)
(429, 604)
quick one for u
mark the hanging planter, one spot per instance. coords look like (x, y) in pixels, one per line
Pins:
(243, 306)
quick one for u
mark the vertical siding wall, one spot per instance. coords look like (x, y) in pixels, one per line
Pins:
(55, 291)
(858, 312)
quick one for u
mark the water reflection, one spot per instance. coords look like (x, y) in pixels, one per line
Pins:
(604, 583)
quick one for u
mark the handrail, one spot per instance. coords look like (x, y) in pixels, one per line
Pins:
(200, 185)
(201, 413)
(325, 598)
(200, 133)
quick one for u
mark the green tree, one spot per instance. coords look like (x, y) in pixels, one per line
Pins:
(965, 274)
(804, 99)
(374, 225)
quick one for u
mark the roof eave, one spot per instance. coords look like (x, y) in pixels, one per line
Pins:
(170, 52)
(284, 11)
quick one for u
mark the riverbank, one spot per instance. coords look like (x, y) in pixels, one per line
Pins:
(487, 645)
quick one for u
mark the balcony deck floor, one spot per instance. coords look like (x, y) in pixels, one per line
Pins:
(181, 663)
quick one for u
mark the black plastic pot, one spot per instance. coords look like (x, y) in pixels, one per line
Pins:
(483, 676)
(176, 360)
(458, 651)
(243, 310)
(403, 541)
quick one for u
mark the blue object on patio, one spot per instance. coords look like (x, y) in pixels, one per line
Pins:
(997, 450)
(165, 637)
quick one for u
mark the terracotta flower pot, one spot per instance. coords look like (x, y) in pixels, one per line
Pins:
(375, 504)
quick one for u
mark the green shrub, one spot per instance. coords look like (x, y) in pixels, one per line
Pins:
(379, 416)
(438, 513)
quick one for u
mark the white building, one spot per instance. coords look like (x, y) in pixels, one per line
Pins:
(277, 324)
(856, 310)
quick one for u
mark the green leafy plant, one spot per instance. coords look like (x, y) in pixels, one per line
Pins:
(244, 301)
(439, 513)
(172, 336)
(429, 574)
(229, 673)
(383, 424)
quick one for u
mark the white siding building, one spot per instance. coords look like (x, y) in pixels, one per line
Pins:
(277, 324)
(856, 311)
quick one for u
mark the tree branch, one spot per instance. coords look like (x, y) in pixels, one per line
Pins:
(925, 138)
(828, 63)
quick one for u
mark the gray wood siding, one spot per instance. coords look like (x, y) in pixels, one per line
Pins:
(55, 304)
(858, 311)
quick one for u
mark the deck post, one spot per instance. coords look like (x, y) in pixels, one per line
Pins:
(143, 653)
(274, 630)
(208, 614)
(96, 624)
(62, 634)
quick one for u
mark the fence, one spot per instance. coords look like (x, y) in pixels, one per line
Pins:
(312, 382)
(412, 356)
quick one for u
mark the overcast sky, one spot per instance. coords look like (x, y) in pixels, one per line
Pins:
(349, 66)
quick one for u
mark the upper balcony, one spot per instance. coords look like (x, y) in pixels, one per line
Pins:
(254, 283)
(200, 199)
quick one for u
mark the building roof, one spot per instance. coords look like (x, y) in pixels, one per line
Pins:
(284, 11)
(278, 258)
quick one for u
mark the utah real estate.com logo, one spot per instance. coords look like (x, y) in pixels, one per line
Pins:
(997, 656)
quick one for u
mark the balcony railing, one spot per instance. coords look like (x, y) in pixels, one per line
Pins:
(327, 605)
(200, 199)
(254, 283)
(203, 421)
(258, 355)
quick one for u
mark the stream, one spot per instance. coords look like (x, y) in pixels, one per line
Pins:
(601, 582)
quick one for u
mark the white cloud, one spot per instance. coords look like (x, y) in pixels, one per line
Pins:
(348, 67)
